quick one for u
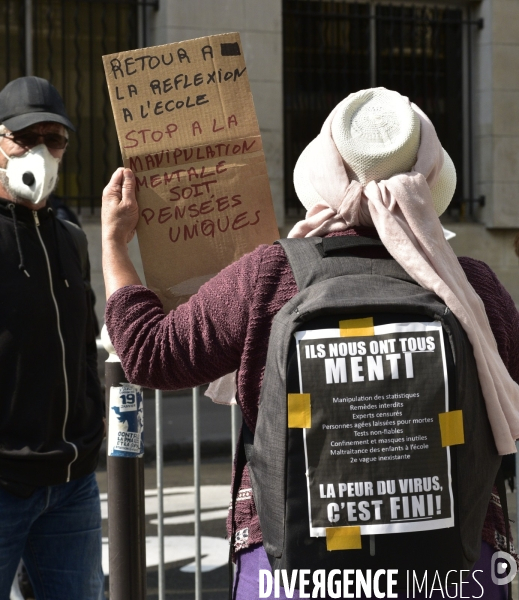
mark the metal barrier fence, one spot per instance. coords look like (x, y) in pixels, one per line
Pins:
(126, 481)
(197, 485)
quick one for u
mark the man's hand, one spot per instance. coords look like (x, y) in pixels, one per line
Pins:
(120, 212)
(119, 216)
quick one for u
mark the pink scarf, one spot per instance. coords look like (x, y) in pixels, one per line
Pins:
(402, 211)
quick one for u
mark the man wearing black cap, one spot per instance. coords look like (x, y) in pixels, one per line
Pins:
(51, 410)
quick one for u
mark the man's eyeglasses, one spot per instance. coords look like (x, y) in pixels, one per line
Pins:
(29, 139)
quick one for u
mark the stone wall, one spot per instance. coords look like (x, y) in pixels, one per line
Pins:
(496, 142)
(493, 246)
(497, 112)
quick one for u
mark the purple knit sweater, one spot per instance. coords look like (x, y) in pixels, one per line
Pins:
(226, 326)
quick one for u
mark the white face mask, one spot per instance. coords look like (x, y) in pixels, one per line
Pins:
(34, 175)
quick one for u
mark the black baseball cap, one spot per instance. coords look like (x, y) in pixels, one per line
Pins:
(29, 100)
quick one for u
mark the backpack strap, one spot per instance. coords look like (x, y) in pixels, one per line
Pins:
(330, 245)
(316, 259)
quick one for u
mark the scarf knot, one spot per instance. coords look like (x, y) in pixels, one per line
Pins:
(351, 206)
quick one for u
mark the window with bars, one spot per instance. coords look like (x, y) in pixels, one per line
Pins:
(333, 48)
(68, 39)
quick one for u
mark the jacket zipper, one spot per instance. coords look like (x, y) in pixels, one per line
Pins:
(37, 223)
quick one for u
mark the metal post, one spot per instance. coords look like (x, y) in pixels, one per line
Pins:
(160, 491)
(126, 524)
(28, 38)
(373, 44)
(469, 115)
(196, 469)
(141, 32)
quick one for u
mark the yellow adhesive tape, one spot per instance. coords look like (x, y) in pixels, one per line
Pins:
(357, 327)
(451, 427)
(343, 538)
(299, 412)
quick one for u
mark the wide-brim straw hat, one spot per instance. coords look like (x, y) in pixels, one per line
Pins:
(377, 133)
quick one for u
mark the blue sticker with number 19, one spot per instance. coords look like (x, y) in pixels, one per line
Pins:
(125, 430)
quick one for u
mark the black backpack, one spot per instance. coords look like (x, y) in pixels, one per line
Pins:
(388, 459)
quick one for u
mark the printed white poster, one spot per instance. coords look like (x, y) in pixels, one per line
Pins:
(374, 455)
(125, 431)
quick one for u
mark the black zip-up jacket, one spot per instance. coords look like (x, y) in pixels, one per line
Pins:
(51, 410)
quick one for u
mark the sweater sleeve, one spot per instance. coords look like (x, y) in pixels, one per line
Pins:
(198, 342)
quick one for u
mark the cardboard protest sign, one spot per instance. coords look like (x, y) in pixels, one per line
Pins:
(374, 451)
(187, 128)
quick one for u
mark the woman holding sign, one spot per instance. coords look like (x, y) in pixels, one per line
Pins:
(387, 428)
